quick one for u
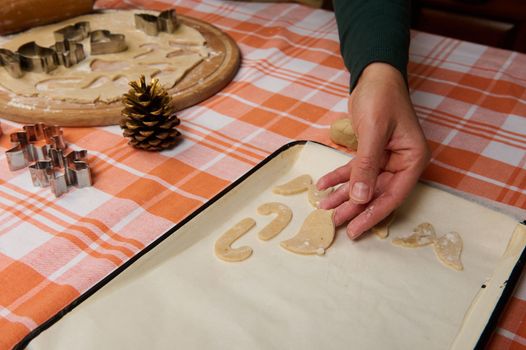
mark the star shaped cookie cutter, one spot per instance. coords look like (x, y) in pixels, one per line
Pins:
(152, 25)
(41, 148)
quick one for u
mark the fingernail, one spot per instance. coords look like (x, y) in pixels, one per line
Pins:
(360, 192)
(352, 234)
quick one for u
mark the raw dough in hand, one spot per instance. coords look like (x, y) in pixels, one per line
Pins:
(315, 235)
(315, 196)
(382, 228)
(296, 185)
(424, 234)
(105, 78)
(448, 249)
(280, 221)
(342, 133)
(223, 249)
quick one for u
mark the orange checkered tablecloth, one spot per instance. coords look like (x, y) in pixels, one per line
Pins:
(471, 101)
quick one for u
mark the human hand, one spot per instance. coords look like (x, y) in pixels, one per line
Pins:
(392, 152)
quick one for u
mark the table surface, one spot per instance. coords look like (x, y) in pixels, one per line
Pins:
(470, 99)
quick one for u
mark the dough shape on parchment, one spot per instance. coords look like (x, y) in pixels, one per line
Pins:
(448, 248)
(278, 224)
(381, 229)
(315, 196)
(223, 246)
(315, 235)
(104, 78)
(424, 234)
(296, 185)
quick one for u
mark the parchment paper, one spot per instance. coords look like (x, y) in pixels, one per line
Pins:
(367, 294)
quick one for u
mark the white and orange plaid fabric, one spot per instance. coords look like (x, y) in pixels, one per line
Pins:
(471, 101)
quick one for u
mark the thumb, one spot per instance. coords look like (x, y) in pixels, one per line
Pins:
(366, 165)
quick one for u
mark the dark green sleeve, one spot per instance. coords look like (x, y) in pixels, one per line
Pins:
(373, 31)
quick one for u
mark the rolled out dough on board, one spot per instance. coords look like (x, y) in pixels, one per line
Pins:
(179, 293)
(105, 78)
(89, 93)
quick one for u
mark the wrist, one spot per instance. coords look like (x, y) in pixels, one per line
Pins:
(382, 72)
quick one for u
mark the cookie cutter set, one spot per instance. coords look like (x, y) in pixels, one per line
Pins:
(41, 148)
(68, 51)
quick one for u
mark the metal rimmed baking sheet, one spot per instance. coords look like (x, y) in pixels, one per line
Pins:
(366, 294)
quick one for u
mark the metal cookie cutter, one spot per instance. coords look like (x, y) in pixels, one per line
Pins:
(50, 167)
(104, 42)
(33, 144)
(44, 174)
(69, 53)
(77, 169)
(61, 171)
(11, 62)
(152, 25)
(35, 58)
(76, 32)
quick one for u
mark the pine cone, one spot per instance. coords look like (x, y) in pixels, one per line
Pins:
(148, 117)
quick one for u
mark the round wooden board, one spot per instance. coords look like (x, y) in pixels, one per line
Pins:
(203, 81)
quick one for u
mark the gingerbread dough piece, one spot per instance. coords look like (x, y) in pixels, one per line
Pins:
(342, 133)
(424, 234)
(448, 248)
(315, 196)
(284, 215)
(315, 235)
(382, 228)
(223, 249)
(105, 78)
(296, 185)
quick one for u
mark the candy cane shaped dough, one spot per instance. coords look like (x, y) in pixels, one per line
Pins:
(284, 215)
(223, 249)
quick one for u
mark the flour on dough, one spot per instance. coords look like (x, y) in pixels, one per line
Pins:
(315, 235)
(296, 185)
(105, 78)
(223, 246)
(448, 248)
(278, 224)
(424, 234)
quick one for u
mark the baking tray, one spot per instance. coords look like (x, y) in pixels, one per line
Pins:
(367, 294)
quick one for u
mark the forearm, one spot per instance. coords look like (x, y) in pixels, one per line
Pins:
(373, 31)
